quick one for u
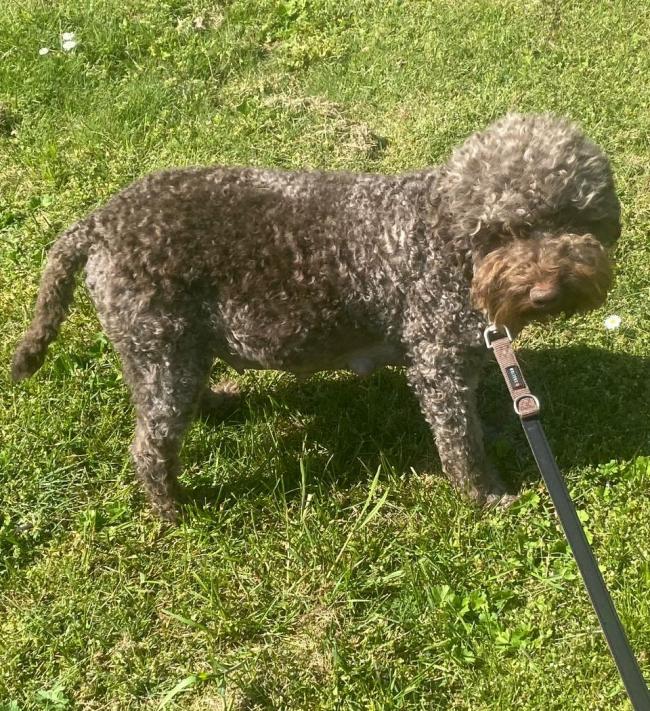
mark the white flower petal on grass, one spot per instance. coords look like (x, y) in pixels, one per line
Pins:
(612, 322)
(43, 51)
(68, 41)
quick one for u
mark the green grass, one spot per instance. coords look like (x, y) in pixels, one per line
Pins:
(329, 566)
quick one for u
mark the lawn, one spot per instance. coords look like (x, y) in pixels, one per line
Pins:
(325, 563)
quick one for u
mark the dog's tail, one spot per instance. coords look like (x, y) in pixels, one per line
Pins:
(67, 256)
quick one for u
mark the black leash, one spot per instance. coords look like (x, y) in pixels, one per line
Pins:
(527, 407)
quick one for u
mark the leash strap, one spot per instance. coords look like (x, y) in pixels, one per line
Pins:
(527, 407)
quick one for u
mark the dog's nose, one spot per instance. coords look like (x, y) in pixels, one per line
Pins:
(544, 294)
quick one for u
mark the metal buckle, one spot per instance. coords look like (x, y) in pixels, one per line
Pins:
(519, 398)
(492, 330)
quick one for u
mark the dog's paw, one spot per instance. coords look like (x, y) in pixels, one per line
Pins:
(168, 508)
(221, 400)
(491, 493)
(168, 511)
(500, 501)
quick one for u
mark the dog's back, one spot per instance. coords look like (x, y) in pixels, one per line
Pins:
(267, 261)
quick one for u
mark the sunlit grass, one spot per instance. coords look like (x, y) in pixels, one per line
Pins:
(326, 564)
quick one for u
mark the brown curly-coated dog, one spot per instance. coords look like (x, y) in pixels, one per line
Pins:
(307, 271)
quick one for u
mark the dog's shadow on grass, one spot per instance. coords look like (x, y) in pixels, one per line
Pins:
(596, 403)
(595, 408)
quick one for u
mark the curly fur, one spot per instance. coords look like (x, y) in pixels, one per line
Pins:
(532, 279)
(308, 271)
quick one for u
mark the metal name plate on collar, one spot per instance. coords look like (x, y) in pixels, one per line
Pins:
(499, 340)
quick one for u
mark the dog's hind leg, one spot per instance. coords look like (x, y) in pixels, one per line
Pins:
(166, 386)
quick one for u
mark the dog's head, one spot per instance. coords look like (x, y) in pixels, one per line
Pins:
(536, 278)
(537, 199)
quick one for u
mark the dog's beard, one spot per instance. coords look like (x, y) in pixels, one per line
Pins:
(574, 269)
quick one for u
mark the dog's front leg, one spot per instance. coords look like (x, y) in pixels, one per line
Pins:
(445, 381)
